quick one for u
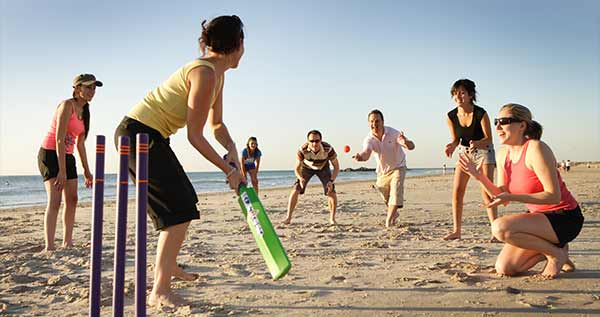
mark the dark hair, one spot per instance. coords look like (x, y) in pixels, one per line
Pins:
(375, 111)
(222, 34)
(85, 114)
(86, 119)
(534, 129)
(467, 84)
(250, 139)
(314, 132)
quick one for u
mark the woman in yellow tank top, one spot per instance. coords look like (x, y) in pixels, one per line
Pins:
(191, 97)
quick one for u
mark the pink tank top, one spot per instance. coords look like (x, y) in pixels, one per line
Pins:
(75, 127)
(521, 180)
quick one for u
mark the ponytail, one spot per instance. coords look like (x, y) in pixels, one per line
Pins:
(534, 130)
(86, 118)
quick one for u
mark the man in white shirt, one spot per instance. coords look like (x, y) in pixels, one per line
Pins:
(387, 143)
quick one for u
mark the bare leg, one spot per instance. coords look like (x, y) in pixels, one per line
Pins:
(332, 203)
(392, 214)
(532, 232)
(488, 171)
(70, 196)
(169, 244)
(513, 260)
(51, 213)
(254, 178)
(458, 194)
(291, 206)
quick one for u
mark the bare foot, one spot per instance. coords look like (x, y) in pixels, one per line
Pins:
(569, 266)
(48, 249)
(182, 275)
(391, 220)
(287, 221)
(452, 236)
(332, 222)
(67, 245)
(169, 299)
(494, 240)
(554, 265)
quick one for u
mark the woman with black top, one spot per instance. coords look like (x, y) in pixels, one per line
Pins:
(471, 132)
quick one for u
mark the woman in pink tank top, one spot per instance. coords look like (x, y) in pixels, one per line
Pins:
(69, 128)
(528, 174)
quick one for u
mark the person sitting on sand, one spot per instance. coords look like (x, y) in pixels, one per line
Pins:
(528, 175)
(192, 97)
(391, 162)
(313, 159)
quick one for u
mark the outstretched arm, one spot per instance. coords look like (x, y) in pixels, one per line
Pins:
(202, 82)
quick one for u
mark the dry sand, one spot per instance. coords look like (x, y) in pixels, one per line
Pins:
(357, 268)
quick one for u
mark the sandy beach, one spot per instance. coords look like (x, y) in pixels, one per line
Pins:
(357, 268)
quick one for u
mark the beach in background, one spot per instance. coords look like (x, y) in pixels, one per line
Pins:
(356, 268)
(22, 191)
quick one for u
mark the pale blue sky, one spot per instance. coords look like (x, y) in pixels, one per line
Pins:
(308, 65)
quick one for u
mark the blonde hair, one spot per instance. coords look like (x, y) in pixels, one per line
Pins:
(534, 129)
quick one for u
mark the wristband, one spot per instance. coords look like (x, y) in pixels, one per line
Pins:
(230, 172)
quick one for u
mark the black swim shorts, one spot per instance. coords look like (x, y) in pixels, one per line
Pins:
(48, 164)
(171, 196)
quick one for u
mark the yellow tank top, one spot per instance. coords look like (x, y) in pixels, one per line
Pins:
(165, 108)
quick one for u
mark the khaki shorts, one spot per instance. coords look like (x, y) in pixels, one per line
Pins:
(485, 154)
(391, 187)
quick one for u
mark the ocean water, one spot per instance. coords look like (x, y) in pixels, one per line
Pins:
(21, 191)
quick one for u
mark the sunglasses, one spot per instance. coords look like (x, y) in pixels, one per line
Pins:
(505, 121)
(314, 141)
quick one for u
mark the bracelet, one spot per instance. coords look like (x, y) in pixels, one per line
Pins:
(231, 172)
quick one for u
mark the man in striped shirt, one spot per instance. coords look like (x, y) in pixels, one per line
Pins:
(313, 159)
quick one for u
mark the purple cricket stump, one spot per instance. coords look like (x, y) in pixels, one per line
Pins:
(140, 238)
(121, 230)
(97, 215)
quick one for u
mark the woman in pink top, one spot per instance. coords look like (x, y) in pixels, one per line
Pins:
(69, 127)
(528, 174)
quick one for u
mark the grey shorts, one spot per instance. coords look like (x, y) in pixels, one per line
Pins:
(485, 154)
(323, 174)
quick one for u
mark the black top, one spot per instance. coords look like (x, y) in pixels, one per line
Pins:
(474, 132)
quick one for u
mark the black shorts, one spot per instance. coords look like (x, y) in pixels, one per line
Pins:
(323, 174)
(566, 224)
(171, 196)
(48, 164)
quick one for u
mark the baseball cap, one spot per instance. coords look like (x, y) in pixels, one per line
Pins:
(86, 79)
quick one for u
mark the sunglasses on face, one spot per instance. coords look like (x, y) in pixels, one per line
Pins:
(314, 141)
(505, 120)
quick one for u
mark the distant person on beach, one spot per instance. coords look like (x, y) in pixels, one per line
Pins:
(192, 96)
(313, 158)
(69, 129)
(528, 175)
(444, 169)
(471, 132)
(568, 165)
(250, 161)
(387, 143)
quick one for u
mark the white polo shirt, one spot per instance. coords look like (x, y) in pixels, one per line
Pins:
(390, 155)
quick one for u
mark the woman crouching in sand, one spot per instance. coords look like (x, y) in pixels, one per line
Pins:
(527, 173)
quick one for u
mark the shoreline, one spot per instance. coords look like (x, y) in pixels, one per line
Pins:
(87, 204)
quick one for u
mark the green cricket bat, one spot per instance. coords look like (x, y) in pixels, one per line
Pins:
(267, 240)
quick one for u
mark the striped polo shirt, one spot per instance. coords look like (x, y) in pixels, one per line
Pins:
(318, 160)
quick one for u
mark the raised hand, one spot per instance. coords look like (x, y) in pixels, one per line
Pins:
(468, 166)
(402, 139)
(500, 199)
(450, 147)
